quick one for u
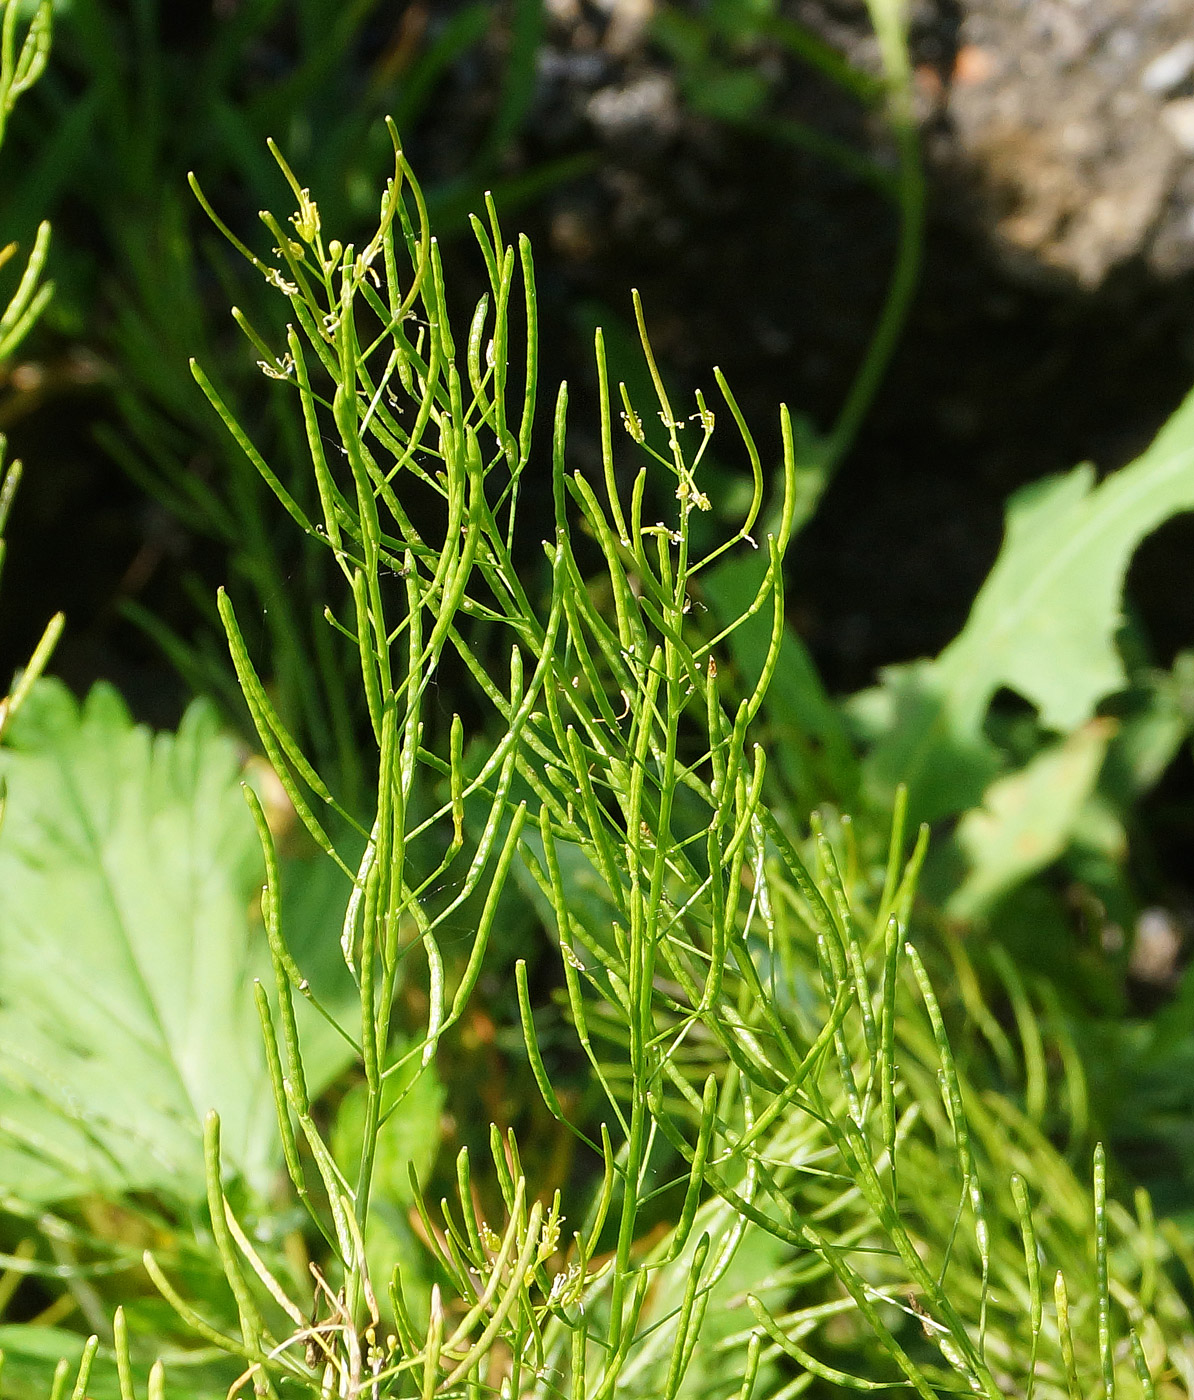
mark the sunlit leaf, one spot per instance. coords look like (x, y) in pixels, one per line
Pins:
(128, 863)
(1043, 624)
(1027, 818)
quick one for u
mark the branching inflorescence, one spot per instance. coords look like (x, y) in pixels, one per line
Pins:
(774, 1071)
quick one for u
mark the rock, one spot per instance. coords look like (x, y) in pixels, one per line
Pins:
(1178, 117)
(1069, 141)
(1169, 69)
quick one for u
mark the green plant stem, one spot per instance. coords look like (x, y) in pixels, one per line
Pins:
(910, 204)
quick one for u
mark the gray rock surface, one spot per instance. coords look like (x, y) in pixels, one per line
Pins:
(1075, 119)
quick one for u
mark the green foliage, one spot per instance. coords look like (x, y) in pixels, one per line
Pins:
(21, 64)
(1027, 818)
(773, 1062)
(129, 944)
(1043, 625)
(128, 865)
(794, 1164)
